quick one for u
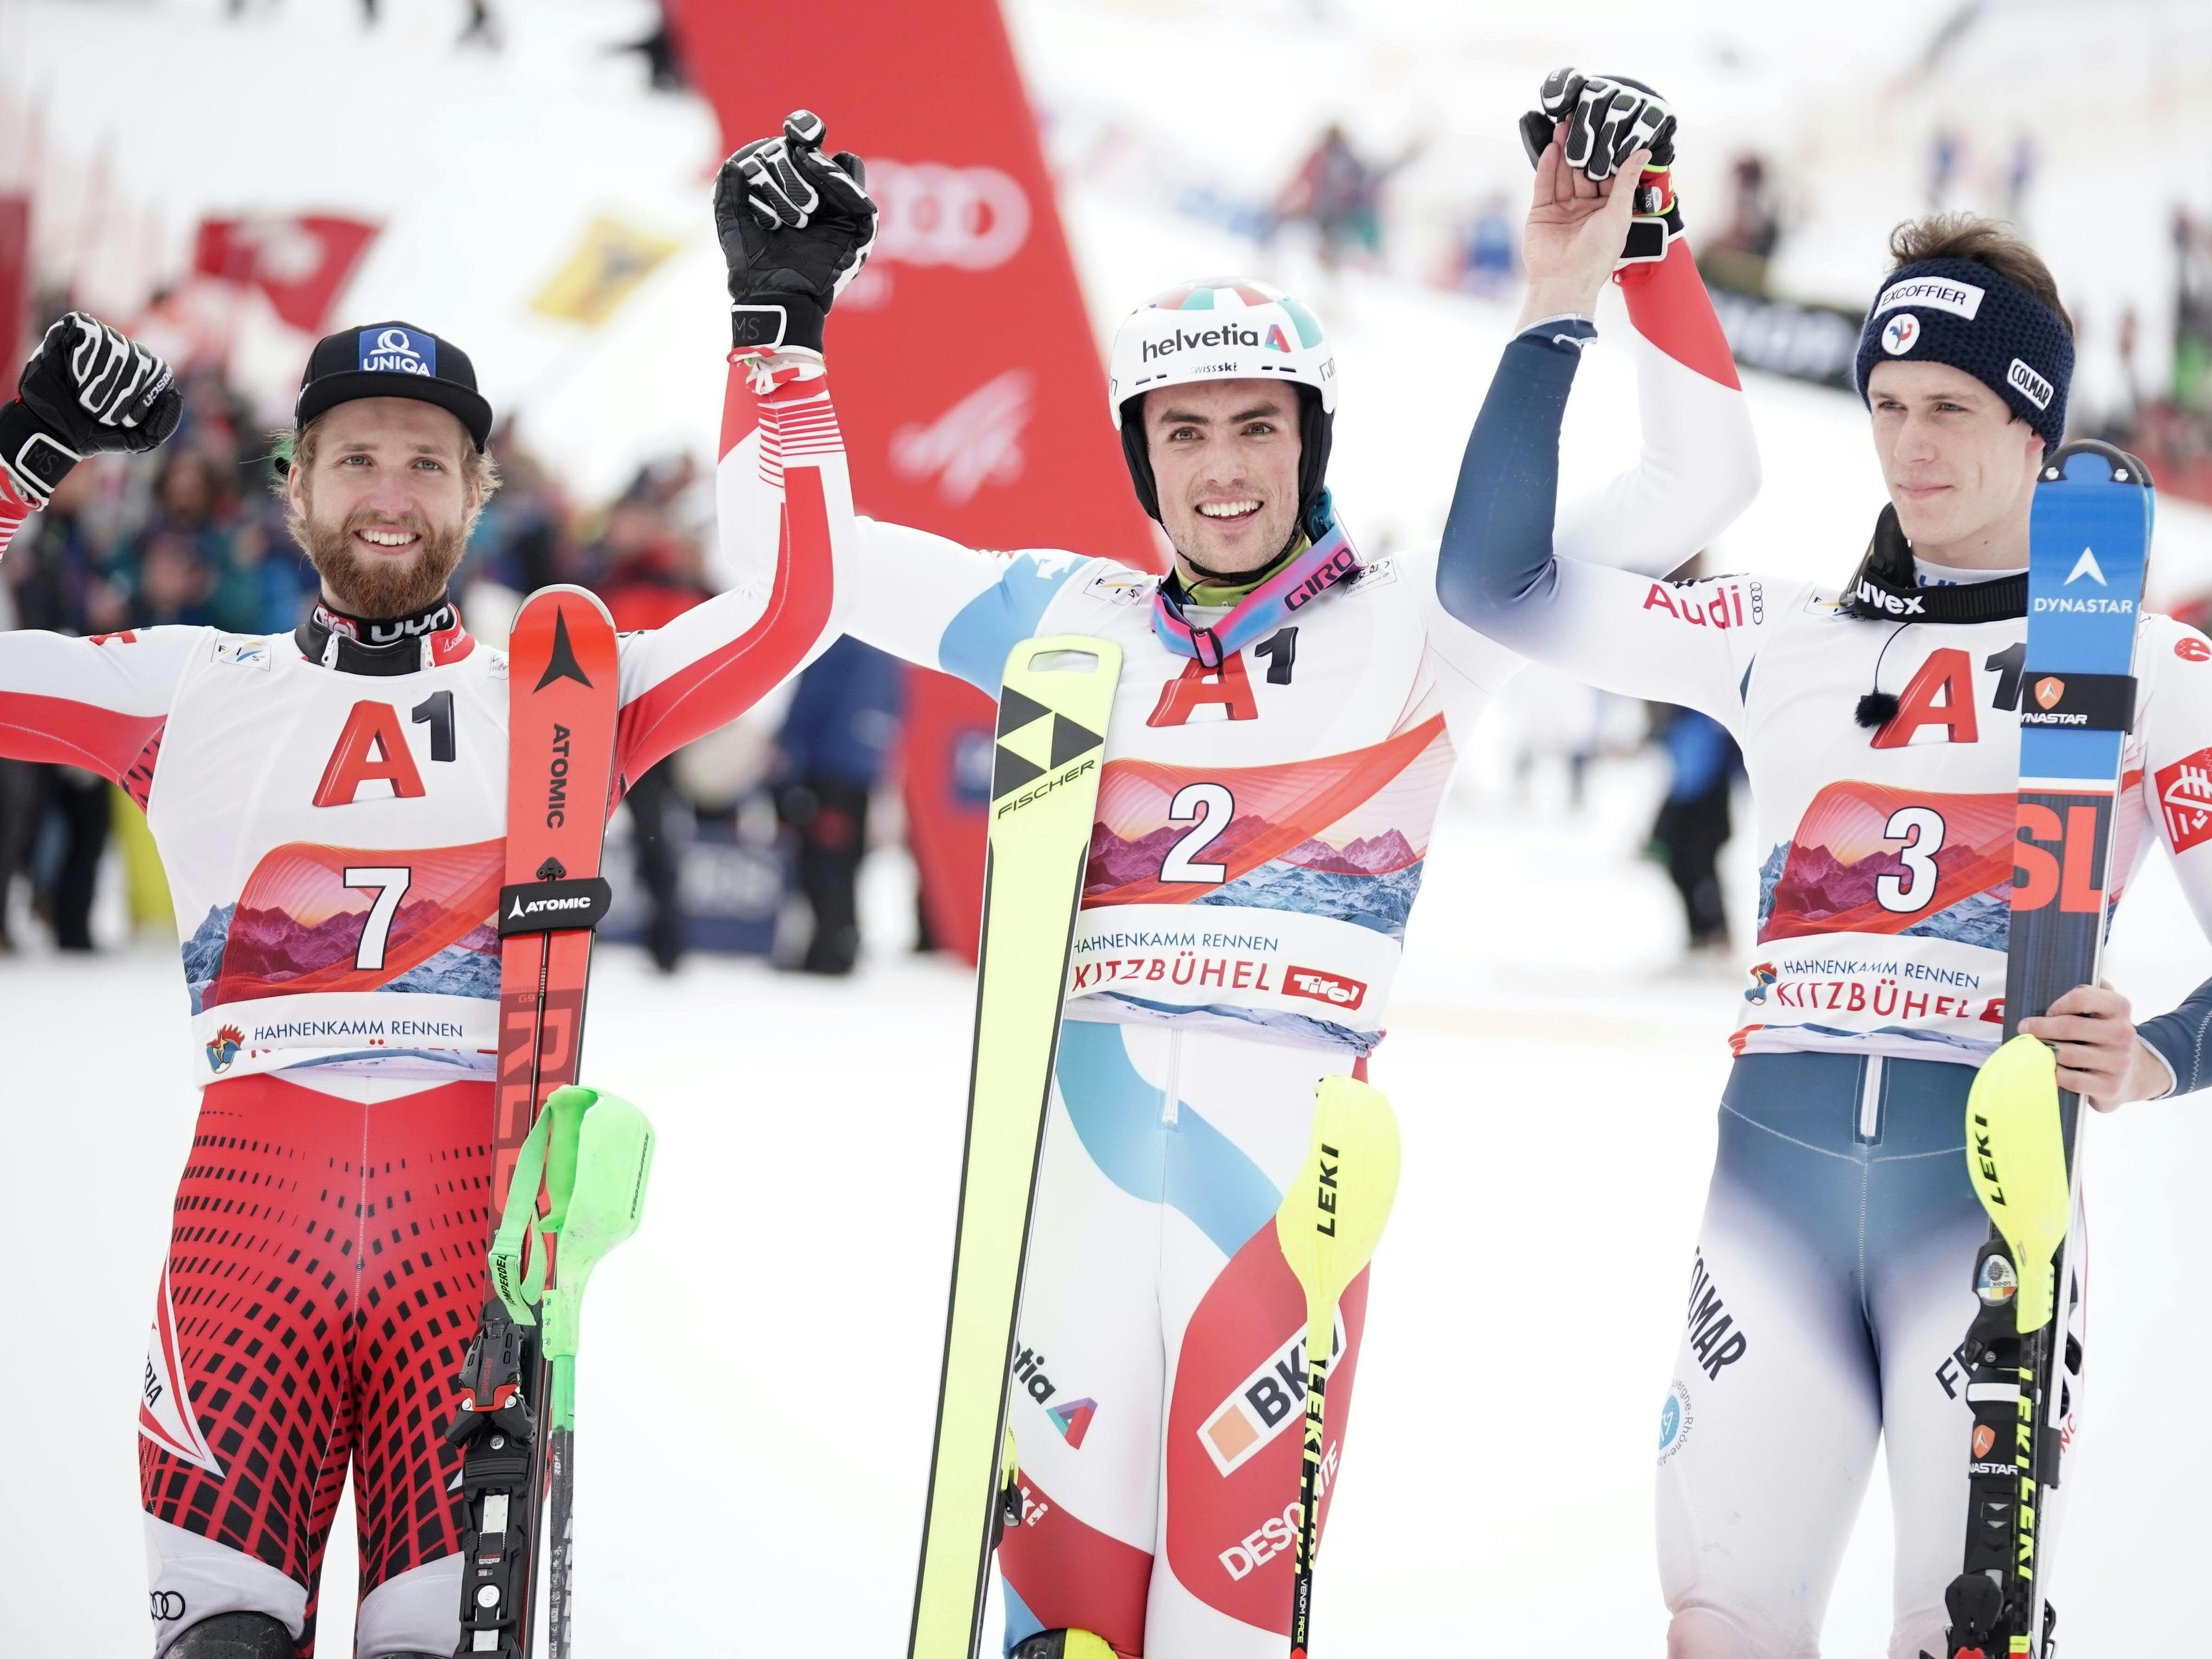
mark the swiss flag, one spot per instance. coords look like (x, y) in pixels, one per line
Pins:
(300, 262)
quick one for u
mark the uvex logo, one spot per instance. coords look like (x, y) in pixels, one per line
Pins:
(1897, 605)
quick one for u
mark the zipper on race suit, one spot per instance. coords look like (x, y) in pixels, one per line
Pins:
(1869, 1130)
(1170, 1087)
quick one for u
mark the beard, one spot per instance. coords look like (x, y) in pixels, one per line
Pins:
(375, 587)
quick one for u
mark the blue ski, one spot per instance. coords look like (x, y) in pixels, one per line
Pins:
(2088, 538)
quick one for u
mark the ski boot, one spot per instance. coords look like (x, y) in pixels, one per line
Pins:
(234, 1635)
(1063, 1644)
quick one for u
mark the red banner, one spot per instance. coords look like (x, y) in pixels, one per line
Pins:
(969, 384)
(300, 263)
(15, 284)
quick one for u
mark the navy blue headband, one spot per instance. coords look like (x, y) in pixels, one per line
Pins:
(1962, 312)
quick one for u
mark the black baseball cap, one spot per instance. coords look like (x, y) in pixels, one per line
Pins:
(392, 360)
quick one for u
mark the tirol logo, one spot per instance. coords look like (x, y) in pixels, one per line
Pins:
(1899, 333)
(1985, 1440)
(222, 1047)
(2049, 689)
(1345, 994)
(1213, 339)
(396, 350)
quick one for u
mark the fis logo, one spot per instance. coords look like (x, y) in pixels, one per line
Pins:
(1263, 1404)
(398, 350)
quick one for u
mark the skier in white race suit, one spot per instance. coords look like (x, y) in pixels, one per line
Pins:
(1288, 714)
(331, 808)
(1832, 1284)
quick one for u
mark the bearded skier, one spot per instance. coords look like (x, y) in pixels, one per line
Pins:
(1880, 724)
(1287, 717)
(330, 806)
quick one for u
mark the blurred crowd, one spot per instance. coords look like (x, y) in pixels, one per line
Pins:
(194, 534)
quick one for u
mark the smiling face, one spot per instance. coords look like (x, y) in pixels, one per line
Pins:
(1960, 466)
(1225, 457)
(383, 502)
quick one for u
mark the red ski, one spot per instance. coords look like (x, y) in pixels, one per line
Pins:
(562, 705)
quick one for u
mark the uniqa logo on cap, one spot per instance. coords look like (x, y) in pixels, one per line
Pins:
(399, 351)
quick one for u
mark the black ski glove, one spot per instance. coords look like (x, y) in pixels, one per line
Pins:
(1609, 118)
(796, 226)
(86, 389)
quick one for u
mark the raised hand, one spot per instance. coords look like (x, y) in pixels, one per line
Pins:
(1572, 239)
(87, 388)
(1607, 118)
(795, 225)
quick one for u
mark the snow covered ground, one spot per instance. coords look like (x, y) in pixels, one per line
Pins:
(758, 1386)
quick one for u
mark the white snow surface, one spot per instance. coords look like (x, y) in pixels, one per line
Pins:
(757, 1384)
(778, 1318)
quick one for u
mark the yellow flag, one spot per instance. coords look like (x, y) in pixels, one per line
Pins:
(610, 262)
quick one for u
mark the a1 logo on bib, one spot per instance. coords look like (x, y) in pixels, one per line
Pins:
(1899, 333)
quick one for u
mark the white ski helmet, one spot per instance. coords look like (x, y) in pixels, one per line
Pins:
(1223, 328)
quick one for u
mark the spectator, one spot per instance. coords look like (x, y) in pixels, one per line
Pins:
(648, 577)
(835, 739)
(1692, 824)
(1340, 193)
(54, 819)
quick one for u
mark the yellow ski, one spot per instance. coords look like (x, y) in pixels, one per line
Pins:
(1328, 1225)
(1052, 709)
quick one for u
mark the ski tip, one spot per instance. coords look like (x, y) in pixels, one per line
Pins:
(568, 591)
(2088, 461)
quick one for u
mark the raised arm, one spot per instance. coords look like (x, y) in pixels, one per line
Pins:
(1498, 569)
(800, 566)
(99, 703)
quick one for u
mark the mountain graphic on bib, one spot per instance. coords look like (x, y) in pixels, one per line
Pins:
(299, 925)
(1342, 835)
(1858, 841)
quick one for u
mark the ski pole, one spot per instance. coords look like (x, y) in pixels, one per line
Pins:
(1328, 1225)
(594, 1153)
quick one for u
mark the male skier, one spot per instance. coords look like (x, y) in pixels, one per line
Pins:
(1288, 714)
(1879, 723)
(331, 808)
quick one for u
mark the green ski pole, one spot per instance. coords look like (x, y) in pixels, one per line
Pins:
(593, 1152)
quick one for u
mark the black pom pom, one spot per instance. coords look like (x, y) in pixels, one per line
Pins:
(1877, 709)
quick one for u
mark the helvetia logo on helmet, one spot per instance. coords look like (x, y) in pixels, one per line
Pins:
(1228, 334)
(397, 351)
